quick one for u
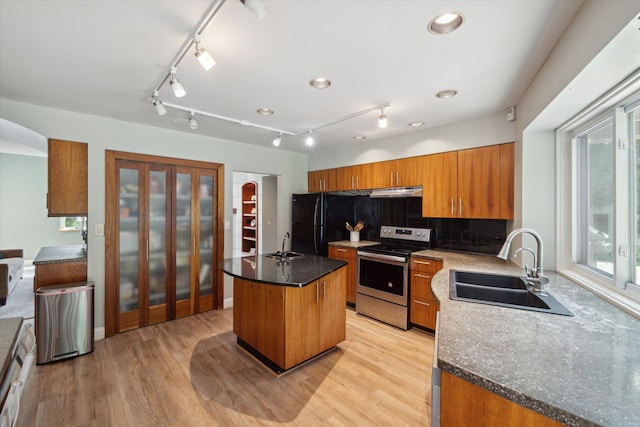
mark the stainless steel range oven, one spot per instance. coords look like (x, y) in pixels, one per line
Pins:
(383, 274)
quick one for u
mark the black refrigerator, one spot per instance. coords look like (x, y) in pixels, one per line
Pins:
(319, 218)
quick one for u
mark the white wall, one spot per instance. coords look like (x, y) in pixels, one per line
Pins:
(23, 207)
(494, 129)
(101, 134)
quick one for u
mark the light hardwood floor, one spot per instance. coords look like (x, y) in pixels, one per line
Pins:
(190, 372)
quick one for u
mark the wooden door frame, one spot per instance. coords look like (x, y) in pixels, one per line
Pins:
(112, 213)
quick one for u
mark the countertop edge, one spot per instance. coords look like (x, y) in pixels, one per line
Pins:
(350, 244)
(548, 410)
(337, 265)
(60, 254)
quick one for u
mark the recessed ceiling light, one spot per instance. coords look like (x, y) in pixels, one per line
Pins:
(416, 124)
(445, 23)
(446, 93)
(320, 83)
(264, 111)
(359, 137)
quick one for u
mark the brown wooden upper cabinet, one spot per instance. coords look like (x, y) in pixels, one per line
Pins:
(357, 177)
(473, 183)
(67, 195)
(399, 173)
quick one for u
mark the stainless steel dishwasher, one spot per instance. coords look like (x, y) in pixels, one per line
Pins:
(64, 321)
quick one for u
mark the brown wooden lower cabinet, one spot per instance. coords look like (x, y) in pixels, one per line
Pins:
(466, 404)
(424, 305)
(288, 325)
(348, 255)
(59, 272)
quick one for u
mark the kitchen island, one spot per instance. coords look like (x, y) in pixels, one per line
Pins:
(518, 367)
(286, 312)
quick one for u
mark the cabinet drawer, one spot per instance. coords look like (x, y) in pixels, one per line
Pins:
(342, 253)
(421, 286)
(425, 265)
(423, 312)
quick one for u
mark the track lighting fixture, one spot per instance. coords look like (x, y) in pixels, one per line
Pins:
(277, 141)
(193, 123)
(382, 119)
(309, 139)
(203, 56)
(257, 7)
(178, 90)
(158, 104)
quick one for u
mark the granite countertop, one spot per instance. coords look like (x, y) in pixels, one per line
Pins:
(57, 254)
(350, 244)
(582, 370)
(295, 272)
(9, 331)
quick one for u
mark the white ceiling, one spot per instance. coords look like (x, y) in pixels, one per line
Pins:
(104, 58)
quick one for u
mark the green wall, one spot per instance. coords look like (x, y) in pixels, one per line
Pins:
(23, 207)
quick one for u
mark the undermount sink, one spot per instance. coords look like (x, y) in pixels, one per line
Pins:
(501, 290)
(286, 255)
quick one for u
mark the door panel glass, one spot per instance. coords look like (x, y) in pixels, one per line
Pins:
(597, 151)
(128, 239)
(183, 236)
(157, 240)
(206, 235)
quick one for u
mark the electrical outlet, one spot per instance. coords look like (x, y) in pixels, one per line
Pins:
(99, 230)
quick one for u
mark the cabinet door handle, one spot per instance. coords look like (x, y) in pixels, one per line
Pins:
(147, 249)
(453, 208)
(422, 262)
(357, 181)
(317, 293)
(422, 275)
(397, 178)
(341, 250)
(324, 291)
(460, 206)
(421, 303)
(352, 181)
(391, 178)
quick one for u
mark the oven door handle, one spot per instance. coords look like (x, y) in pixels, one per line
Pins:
(382, 257)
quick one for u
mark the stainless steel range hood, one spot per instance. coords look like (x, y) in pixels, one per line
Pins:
(381, 193)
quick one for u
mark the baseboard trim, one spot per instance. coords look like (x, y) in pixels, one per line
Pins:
(227, 303)
(98, 334)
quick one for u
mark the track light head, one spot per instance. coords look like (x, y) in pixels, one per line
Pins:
(309, 139)
(160, 108)
(257, 7)
(277, 141)
(193, 123)
(178, 90)
(203, 56)
(382, 119)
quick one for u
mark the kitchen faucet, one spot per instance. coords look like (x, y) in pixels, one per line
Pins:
(535, 276)
(286, 235)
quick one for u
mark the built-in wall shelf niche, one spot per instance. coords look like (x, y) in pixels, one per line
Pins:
(250, 218)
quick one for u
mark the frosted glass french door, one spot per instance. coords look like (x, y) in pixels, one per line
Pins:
(143, 244)
(195, 245)
(207, 243)
(185, 242)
